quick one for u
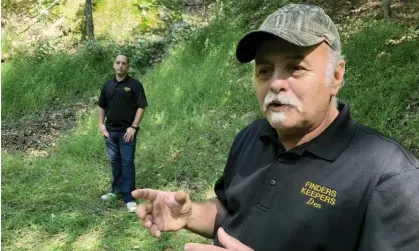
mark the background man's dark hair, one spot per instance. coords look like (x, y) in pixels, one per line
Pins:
(123, 54)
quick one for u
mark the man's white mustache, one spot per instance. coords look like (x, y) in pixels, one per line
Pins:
(281, 98)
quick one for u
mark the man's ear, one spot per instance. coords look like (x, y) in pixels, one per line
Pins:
(337, 80)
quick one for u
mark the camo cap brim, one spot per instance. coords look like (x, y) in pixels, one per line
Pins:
(299, 24)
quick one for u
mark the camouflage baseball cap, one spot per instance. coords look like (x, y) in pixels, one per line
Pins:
(299, 24)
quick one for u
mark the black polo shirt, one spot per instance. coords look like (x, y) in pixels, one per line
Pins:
(351, 188)
(121, 100)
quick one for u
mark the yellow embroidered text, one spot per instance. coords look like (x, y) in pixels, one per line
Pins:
(318, 194)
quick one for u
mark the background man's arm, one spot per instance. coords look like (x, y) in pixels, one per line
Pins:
(101, 113)
(138, 116)
(206, 218)
(102, 127)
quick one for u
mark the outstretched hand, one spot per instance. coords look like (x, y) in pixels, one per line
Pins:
(163, 211)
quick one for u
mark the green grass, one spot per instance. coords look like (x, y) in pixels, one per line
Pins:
(36, 83)
(47, 78)
(199, 98)
(383, 90)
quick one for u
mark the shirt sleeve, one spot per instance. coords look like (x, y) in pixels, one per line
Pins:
(392, 217)
(140, 97)
(219, 190)
(222, 184)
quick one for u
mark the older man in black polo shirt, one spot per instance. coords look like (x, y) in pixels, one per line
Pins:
(307, 177)
(122, 101)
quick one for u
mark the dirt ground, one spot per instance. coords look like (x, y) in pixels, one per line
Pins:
(41, 130)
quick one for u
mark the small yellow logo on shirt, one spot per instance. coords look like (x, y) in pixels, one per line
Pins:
(318, 194)
(127, 89)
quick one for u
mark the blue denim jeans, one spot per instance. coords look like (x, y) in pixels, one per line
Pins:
(121, 154)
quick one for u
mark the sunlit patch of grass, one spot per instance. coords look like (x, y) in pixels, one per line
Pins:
(88, 241)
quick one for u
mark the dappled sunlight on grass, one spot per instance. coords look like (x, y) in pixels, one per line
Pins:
(88, 241)
(34, 238)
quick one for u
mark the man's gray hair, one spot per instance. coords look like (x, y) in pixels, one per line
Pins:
(333, 60)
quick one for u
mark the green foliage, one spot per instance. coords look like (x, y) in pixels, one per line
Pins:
(199, 98)
(28, 24)
(382, 80)
(175, 5)
(142, 54)
(187, 126)
(50, 78)
(42, 10)
(125, 19)
(185, 130)
(43, 50)
(6, 45)
(18, 7)
(39, 81)
(250, 14)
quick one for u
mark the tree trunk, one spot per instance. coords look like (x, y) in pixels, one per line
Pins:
(386, 8)
(89, 20)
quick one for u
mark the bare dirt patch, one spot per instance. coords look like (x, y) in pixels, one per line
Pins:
(41, 130)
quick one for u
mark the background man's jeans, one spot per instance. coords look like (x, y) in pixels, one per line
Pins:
(121, 154)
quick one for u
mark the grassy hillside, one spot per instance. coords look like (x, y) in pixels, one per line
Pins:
(199, 98)
(56, 79)
(35, 83)
(382, 80)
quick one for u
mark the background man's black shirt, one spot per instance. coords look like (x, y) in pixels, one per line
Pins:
(121, 100)
(351, 188)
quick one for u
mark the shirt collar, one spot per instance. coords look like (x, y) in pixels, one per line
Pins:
(329, 144)
(123, 80)
(268, 133)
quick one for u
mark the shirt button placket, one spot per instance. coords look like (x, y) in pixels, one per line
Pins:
(272, 182)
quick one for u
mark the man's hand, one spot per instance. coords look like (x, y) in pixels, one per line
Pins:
(164, 211)
(103, 131)
(130, 134)
(226, 240)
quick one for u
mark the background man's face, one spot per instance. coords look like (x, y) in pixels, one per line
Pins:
(121, 65)
(290, 84)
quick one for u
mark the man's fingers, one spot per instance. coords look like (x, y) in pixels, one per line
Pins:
(144, 209)
(104, 133)
(230, 242)
(147, 223)
(154, 231)
(201, 247)
(145, 194)
(128, 137)
(148, 207)
(181, 197)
